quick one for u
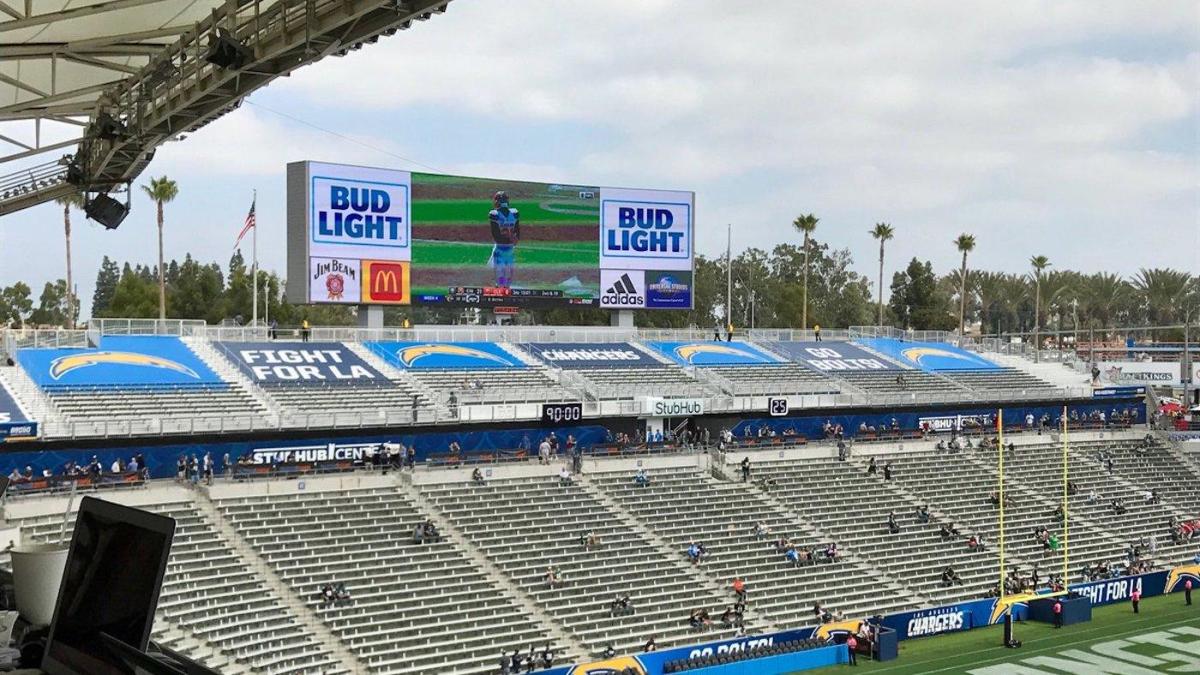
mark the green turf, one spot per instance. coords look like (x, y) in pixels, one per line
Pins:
(980, 648)
(458, 211)
(428, 253)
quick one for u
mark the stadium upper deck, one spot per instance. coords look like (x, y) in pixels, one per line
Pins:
(221, 380)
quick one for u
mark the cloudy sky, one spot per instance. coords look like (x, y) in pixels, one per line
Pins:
(1068, 129)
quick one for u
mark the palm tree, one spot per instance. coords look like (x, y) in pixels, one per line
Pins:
(1039, 263)
(883, 232)
(965, 243)
(161, 190)
(805, 224)
(70, 201)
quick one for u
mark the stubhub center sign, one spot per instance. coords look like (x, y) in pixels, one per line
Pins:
(359, 212)
(645, 229)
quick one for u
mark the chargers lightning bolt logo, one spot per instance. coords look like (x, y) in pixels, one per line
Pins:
(410, 355)
(66, 364)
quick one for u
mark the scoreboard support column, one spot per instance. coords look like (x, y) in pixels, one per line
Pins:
(370, 316)
(622, 318)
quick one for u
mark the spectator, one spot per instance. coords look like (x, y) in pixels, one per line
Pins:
(950, 577)
(887, 471)
(699, 618)
(620, 606)
(544, 451)
(609, 652)
(739, 589)
(761, 530)
(564, 477)
(745, 469)
(975, 543)
(851, 647)
(892, 525)
(831, 552)
(452, 404)
(553, 578)
(948, 531)
(728, 617)
(841, 446)
(640, 478)
(872, 468)
(923, 514)
(477, 476)
(695, 552)
(650, 646)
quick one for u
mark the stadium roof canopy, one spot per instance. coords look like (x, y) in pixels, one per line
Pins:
(89, 88)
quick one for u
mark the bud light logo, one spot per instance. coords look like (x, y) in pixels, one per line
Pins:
(359, 212)
(650, 230)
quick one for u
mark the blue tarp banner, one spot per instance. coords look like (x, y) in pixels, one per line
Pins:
(714, 353)
(933, 356)
(811, 425)
(472, 355)
(161, 458)
(571, 355)
(827, 356)
(306, 362)
(119, 361)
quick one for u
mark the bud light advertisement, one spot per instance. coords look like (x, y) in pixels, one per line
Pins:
(366, 236)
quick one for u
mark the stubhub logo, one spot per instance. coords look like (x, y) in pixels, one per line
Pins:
(368, 213)
(646, 230)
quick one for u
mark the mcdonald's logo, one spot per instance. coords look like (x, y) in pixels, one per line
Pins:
(385, 282)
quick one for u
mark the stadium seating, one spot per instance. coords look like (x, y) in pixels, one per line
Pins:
(900, 383)
(525, 525)
(416, 608)
(1006, 379)
(213, 606)
(507, 385)
(851, 506)
(1037, 469)
(667, 381)
(684, 506)
(771, 379)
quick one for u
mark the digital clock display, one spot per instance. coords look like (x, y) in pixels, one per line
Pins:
(558, 413)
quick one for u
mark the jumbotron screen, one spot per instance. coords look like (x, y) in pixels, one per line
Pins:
(362, 236)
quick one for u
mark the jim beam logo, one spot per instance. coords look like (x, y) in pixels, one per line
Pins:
(337, 274)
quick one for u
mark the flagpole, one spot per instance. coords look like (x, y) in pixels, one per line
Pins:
(254, 265)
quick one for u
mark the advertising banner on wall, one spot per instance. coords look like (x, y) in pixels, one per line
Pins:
(433, 239)
(118, 361)
(1133, 373)
(14, 426)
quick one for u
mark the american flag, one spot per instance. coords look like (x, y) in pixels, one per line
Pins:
(250, 221)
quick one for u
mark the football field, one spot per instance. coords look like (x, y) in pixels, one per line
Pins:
(1163, 638)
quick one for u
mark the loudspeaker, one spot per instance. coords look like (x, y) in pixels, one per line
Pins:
(106, 211)
(225, 51)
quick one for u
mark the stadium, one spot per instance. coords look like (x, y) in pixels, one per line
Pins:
(470, 435)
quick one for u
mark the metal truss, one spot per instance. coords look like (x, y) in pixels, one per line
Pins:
(175, 91)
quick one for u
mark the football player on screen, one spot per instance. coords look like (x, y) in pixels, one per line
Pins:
(506, 232)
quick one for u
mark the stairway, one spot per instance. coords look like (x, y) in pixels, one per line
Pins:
(230, 373)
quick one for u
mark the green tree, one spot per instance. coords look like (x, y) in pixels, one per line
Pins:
(883, 233)
(15, 304)
(54, 305)
(135, 296)
(162, 190)
(965, 243)
(106, 285)
(805, 224)
(916, 300)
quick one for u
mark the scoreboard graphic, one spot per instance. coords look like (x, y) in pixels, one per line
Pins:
(362, 235)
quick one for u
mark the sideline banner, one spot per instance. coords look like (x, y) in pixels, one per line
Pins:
(831, 356)
(933, 356)
(139, 360)
(571, 355)
(467, 355)
(714, 353)
(320, 362)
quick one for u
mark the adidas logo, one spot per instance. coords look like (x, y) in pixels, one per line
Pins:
(622, 294)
